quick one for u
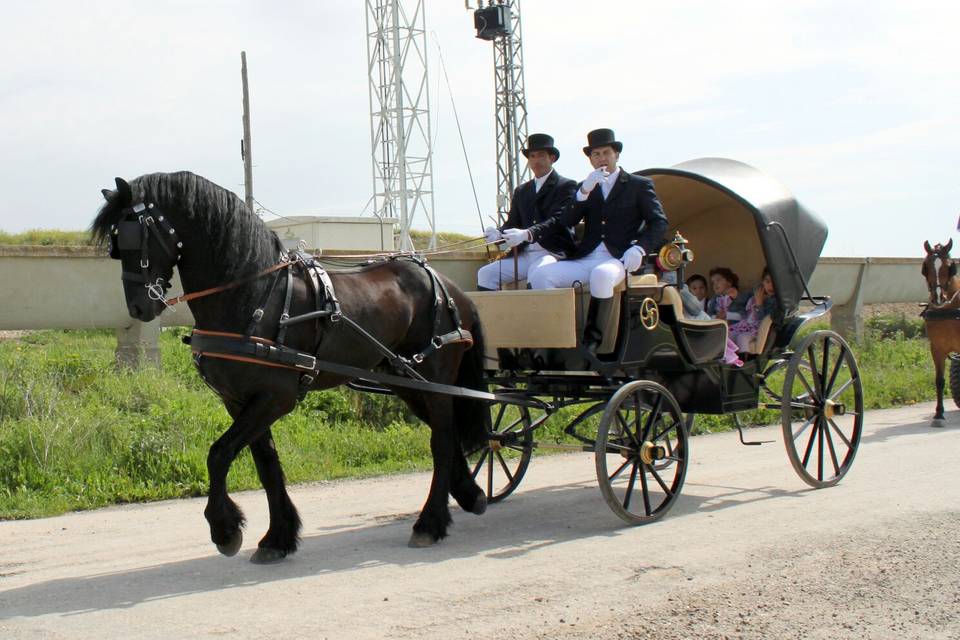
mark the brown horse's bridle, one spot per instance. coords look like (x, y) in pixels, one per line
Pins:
(937, 257)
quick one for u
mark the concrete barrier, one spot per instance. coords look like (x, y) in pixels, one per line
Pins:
(79, 288)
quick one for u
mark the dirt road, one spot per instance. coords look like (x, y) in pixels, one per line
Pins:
(748, 552)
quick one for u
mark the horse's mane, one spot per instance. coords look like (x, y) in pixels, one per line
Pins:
(233, 231)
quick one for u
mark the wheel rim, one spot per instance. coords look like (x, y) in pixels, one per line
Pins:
(641, 452)
(822, 409)
(499, 465)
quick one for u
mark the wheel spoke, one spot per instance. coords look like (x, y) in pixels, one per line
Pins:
(804, 427)
(839, 433)
(645, 490)
(823, 366)
(836, 370)
(820, 451)
(662, 433)
(806, 455)
(624, 425)
(652, 418)
(656, 476)
(810, 392)
(620, 470)
(833, 453)
(630, 484)
(843, 387)
(817, 382)
(500, 412)
(619, 448)
(503, 464)
(483, 456)
(490, 474)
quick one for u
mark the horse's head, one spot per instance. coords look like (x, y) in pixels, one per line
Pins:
(145, 243)
(939, 271)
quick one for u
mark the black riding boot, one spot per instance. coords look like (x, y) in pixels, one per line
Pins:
(592, 336)
(479, 288)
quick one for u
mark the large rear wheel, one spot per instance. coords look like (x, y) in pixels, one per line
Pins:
(641, 452)
(821, 409)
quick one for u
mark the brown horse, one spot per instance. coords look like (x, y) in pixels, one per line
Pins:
(942, 314)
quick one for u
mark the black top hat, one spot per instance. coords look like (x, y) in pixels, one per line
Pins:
(540, 142)
(602, 138)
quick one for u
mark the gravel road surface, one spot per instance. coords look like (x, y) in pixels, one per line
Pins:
(748, 552)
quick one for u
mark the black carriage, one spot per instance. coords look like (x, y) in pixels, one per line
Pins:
(637, 395)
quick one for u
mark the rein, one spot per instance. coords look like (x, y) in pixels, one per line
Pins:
(186, 297)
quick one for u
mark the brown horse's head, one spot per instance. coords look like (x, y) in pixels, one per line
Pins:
(940, 272)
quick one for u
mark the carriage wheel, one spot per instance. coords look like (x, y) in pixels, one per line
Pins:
(641, 452)
(821, 411)
(955, 379)
(499, 465)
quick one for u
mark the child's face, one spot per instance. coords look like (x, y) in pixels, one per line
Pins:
(698, 288)
(768, 285)
(720, 284)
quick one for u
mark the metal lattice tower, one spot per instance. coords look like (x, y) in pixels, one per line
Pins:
(510, 110)
(400, 115)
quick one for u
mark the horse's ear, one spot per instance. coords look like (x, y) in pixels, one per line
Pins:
(124, 193)
(926, 243)
(948, 246)
(108, 194)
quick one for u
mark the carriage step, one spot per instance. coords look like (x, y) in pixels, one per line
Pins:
(750, 443)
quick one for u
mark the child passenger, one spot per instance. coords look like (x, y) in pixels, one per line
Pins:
(698, 287)
(761, 304)
(726, 303)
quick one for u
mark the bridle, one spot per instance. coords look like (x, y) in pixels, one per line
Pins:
(936, 258)
(132, 233)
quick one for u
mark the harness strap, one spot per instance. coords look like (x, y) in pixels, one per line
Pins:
(186, 297)
(233, 346)
(258, 312)
(288, 296)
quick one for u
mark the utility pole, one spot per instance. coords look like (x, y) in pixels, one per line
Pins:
(499, 22)
(401, 142)
(246, 151)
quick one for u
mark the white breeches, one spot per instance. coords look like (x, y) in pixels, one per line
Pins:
(529, 260)
(600, 270)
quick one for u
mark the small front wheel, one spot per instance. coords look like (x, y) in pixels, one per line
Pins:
(641, 452)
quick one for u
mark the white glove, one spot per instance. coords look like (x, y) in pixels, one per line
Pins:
(513, 237)
(595, 177)
(491, 234)
(632, 258)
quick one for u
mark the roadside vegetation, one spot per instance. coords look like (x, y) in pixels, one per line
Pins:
(77, 434)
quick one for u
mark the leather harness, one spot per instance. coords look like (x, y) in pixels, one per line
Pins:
(132, 233)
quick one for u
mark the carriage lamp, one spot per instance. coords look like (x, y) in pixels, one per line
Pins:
(674, 254)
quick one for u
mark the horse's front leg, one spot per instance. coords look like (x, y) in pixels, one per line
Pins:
(941, 383)
(223, 515)
(283, 536)
(434, 519)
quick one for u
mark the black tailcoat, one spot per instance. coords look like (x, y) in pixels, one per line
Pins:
(530, 207)
(631, 215)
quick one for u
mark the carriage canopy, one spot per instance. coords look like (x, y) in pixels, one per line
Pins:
(733, 214)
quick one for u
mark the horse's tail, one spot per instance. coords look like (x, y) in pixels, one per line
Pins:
(472, 417)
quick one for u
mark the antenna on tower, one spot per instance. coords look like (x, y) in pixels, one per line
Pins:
(402, 155)
(499, 22)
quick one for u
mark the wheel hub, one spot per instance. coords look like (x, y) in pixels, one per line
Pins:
(831, 409)
(650, 452)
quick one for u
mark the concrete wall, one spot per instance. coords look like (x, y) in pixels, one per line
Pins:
(80, 288)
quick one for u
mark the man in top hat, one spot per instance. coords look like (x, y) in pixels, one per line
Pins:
(623, 221)
(534, 202)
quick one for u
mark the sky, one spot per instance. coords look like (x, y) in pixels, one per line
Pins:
(853, 105)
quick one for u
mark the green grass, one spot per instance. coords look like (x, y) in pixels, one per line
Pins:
(75, 434)
(47, 237)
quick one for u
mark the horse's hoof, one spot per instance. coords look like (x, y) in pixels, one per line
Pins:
(420, 540)
(266, 555)
(233, 546)
(480, 506)
(938, 422)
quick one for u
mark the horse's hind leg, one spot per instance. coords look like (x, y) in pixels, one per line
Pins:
(282, 537)
(251, 421)
(435, 518)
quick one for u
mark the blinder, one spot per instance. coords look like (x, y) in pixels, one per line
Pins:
(132, 233)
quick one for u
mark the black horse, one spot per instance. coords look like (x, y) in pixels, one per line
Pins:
(213, 238)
